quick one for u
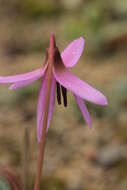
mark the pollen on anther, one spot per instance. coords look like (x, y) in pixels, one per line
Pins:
(58, 93)
(64, 93)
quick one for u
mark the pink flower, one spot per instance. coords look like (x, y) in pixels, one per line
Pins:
(62, 80)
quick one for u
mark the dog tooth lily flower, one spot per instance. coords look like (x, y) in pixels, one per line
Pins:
(61, 81)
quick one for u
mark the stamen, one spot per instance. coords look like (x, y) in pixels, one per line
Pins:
(58, 93)
(64, 93)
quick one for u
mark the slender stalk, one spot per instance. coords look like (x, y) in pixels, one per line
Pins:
(43, 137)
(26, 159)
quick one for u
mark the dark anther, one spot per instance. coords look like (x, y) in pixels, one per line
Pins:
(58, 93)
(64, 93)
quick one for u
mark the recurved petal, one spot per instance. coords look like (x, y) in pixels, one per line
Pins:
(84, 110)
(22, 84)
(22, 77)
(77, 86)
(72, 53)
(41, 104)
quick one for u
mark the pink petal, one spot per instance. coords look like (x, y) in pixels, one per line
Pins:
(84, 110)
(41, 102)
(22, 84)
(72, 53)
(23, 77)
(77, 86)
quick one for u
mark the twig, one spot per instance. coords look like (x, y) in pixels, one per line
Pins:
(26, 159)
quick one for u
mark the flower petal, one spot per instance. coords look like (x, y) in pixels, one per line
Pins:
(72, 53)
(77, 86)
(23, 77)
(84, 110)
(41, 102)
(22, 84)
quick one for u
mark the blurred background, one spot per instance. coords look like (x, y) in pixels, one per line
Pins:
(76, 157)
